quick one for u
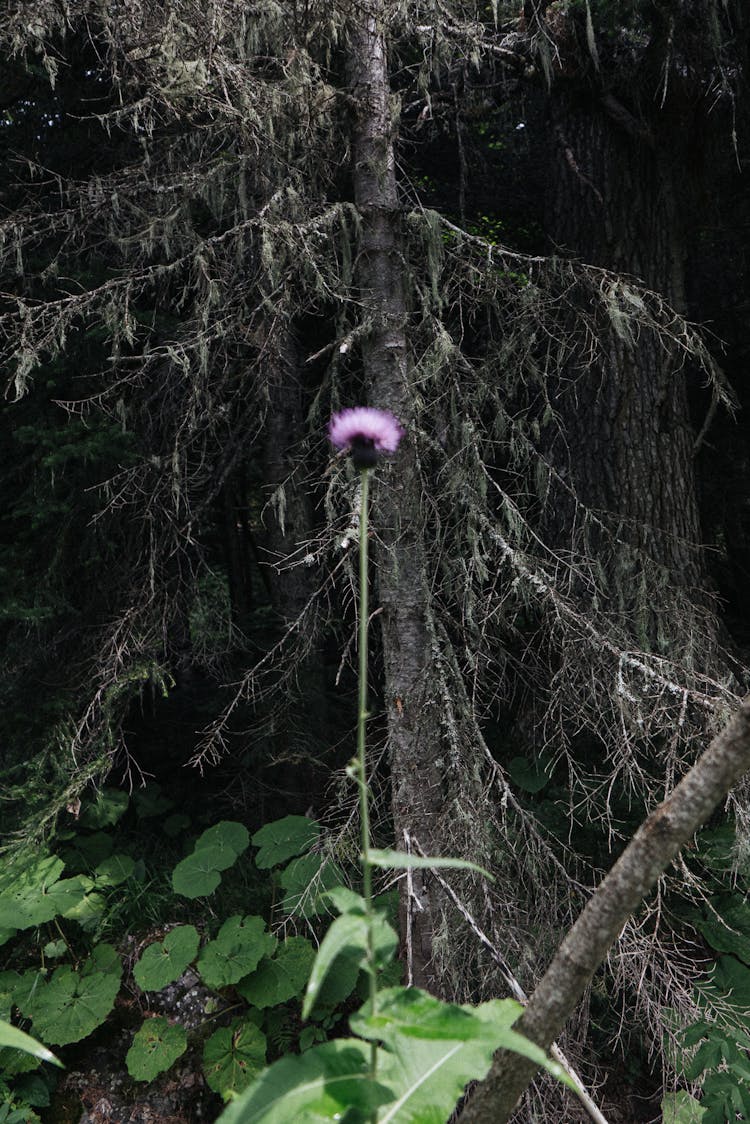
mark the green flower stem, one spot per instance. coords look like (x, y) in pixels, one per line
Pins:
(364, 805)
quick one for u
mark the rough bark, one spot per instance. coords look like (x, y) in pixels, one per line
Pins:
(624, 440)
(652, 849)
(413, 724)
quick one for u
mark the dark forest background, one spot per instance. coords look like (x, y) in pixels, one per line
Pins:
(562, 548)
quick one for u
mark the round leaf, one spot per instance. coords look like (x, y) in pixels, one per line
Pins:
(233, 1057)
(283, 978)
(156, 1047)
(239, 946)
(227, 836)
(165, 961)
(282, 839)
(198, 874)
(105, 809)
(72, 1004)
(114, 870)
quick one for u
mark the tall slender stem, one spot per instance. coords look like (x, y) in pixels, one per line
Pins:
(364, 794)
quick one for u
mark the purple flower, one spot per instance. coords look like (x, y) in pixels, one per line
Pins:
(366, 433)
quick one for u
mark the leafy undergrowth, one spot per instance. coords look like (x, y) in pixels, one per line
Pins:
(208, 986)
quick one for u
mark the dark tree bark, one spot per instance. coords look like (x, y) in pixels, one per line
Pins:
(413, 716)
(624, 440)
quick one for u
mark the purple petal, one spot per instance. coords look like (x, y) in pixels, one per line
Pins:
(368, 424)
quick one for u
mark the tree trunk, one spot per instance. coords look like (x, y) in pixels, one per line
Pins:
(413, 722)
(624, 441)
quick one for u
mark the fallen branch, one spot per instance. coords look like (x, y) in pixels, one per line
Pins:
(651, 850)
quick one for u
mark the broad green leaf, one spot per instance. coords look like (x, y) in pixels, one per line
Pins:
(429, 1074)
(30, 870)
(347, 935)
(414, 1013)
(88, 911)
(228, 836)
(71, 1004)
(728, 928)
(114, 870)
(10, 982)
(730, 981)
(53, 950)
(281, 979)
(33, 893)
(104, 809)
(306, 882)
(345, 900)
(156, 1046)
(400, 860)
(717, 847)
(199, 874)
(33, 1089)
(233, 1057)
(321, 1085)
(165, 961)
(7, 935)
(15, 1039)
(282, 839)
(240, 945)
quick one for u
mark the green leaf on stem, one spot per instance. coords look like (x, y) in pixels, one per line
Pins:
(435, 1048)
(400, 860)
(348, 934)
(328, 1082)
(283, 978)
(72, 1004)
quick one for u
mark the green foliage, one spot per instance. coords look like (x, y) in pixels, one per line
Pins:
(528, 775)
(427, 1072)
(104, 809)
(281, 978)
(283, 839)
(165, 961)
(399, 860)
(347, 937)
(156, 1046)
(305, 882)
(681, 1108)
(14, 1039)
(328, 1082)
(71, 1003)
(233, 1056)
(215, 851)
(240, 945)
(32, 892)
(433, 1049)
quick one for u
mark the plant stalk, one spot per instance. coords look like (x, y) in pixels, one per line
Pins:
(364, 804)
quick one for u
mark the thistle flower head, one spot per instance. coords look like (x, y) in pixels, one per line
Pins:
(366, 433)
